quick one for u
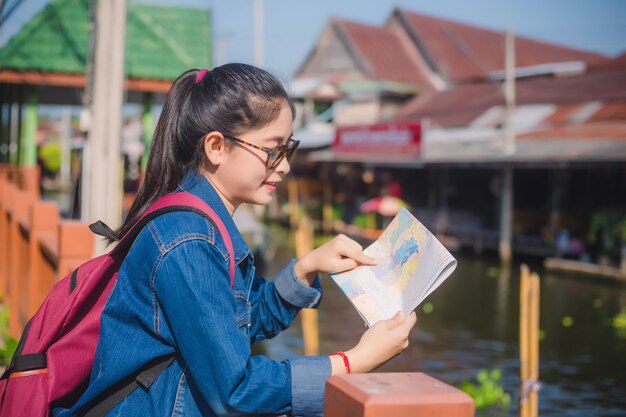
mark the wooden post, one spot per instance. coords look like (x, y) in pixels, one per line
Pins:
(6, 188)
(506, 215)
(29, 180)
(294, 205)
(534, 343)
(44, 218)
(102, 180)
(509, 92)
(17, 264)
(76, 245)
(523, 339)
(394, 395)
(310, 327)
(555, 206)
(327, 208)
(28, 141)
(529, 342)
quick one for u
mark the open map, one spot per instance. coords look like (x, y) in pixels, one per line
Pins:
(412, 264)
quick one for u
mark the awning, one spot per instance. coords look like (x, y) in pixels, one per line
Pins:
(527, 152)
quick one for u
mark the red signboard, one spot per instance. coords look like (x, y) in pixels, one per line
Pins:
(386, 138)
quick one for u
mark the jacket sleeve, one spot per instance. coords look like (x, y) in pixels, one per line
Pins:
(192, 286)
(276, 303)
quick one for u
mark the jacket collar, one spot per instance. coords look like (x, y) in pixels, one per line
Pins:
(196, 184)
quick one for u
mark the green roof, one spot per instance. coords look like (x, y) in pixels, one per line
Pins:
(161, 41)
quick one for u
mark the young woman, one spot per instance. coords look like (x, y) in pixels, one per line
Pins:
(225, 136)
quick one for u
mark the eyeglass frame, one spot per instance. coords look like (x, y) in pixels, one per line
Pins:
(288, 151)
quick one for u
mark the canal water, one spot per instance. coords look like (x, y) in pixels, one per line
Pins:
(474, 324)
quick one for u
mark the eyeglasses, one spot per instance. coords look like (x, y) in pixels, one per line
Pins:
(274, 155)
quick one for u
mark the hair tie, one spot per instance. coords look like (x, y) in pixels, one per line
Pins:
(201, 75)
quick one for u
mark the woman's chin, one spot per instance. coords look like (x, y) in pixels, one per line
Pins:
(261, 200)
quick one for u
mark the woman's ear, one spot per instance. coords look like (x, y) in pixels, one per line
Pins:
(214, 147)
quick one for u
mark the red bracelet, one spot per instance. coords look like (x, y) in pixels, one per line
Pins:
(346, 362)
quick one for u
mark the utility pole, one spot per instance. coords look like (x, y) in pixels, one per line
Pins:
(509, 91)
(258, 33)
(103, 179)
(506, 190)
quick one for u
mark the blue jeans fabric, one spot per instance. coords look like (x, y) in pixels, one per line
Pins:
(173, 294)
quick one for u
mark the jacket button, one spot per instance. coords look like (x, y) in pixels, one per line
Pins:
(249, 324)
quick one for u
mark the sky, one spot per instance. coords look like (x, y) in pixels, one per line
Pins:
(293, 26)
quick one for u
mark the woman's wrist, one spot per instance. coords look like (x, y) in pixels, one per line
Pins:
(304, 273)
(350, 359)
(355, 361)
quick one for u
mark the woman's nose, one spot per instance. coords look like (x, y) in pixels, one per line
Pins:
(283, 167)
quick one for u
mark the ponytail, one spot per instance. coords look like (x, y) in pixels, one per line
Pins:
(231, 99)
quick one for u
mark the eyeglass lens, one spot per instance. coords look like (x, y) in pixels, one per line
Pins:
(283, 151)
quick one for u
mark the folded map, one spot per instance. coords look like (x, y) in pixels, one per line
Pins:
(412, 263)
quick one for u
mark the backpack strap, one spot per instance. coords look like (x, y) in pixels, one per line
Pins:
(179, 201)
(144, 379)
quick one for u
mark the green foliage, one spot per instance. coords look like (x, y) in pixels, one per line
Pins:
(367, 220)
(620, 229)
(360, 220)
(7, 349)
(321, 239)
(493, 272)
(50, 153)
(337, 211)
(619, 323)
(428, 308)
(487, 391)
(567, 321)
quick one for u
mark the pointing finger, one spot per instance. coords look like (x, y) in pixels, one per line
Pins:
(358, 256)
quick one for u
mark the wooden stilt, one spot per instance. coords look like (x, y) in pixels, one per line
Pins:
(294, 206)
(529, 342)
(534, 344)
(523, 339)
(310, 328)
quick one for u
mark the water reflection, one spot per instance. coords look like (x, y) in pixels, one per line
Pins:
(474, 324)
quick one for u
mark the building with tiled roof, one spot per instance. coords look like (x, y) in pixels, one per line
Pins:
(459, 52)
(382, 73)
(161, 42)
(567, 121)
(430, 52)
(46, 63)
(349, 49)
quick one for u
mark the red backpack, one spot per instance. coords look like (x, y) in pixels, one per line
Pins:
(53, 360)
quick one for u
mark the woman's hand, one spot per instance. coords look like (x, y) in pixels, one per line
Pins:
(338, 255)
(381, 342)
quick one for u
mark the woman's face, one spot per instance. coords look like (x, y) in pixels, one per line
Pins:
(242, 176)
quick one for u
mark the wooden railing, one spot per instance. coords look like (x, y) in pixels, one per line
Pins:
(37, 247)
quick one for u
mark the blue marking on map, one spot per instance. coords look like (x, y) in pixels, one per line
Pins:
(404, 222)
(404, 252)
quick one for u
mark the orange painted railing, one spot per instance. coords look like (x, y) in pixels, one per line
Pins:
(37, 247)
(412, 394)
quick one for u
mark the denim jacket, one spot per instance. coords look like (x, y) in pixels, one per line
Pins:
(173, 294)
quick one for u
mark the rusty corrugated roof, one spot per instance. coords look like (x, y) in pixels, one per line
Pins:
(598, 131)
(463, 52)
(610, 111)
(458, 107)
(383, 52)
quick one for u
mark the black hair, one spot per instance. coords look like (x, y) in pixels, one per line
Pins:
(231, 99)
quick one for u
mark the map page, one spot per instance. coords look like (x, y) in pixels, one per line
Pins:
(412, 263)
